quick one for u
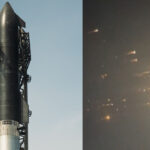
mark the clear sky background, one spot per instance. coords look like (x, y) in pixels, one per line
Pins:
(55, 92)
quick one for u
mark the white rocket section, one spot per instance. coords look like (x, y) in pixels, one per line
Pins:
(9, 135)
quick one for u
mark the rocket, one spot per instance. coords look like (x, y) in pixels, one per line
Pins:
(15, 57)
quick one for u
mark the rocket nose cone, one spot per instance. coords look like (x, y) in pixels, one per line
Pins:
(7, 8)
(7, 15)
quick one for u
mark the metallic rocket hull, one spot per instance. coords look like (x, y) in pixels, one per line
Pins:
(9, 136)
(14, 61)
(9, 90)
(9, 142)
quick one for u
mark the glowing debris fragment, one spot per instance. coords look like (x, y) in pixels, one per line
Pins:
(148, 103)
(108, 99)
(108, 105)
(134, 60)
(94, 31)
(132, 52)
(143, 90)
(107, 117)
(104, 76)
(124, 100)
(142, 74)
(111, 104)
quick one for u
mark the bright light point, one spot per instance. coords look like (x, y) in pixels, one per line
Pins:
(124, 100)
(107, 117)
(108, 99)
(132, 52)
(103, 76)
(111, 104)
(96, 30)
(134, 60)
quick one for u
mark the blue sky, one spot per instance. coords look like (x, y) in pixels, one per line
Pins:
(55, 92)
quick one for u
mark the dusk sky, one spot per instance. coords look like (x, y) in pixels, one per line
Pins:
(55, 92)
(116, 75)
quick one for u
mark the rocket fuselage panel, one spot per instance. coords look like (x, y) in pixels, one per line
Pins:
(9, 84)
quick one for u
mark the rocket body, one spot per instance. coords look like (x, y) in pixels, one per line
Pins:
(11, 103)
(9, 90)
